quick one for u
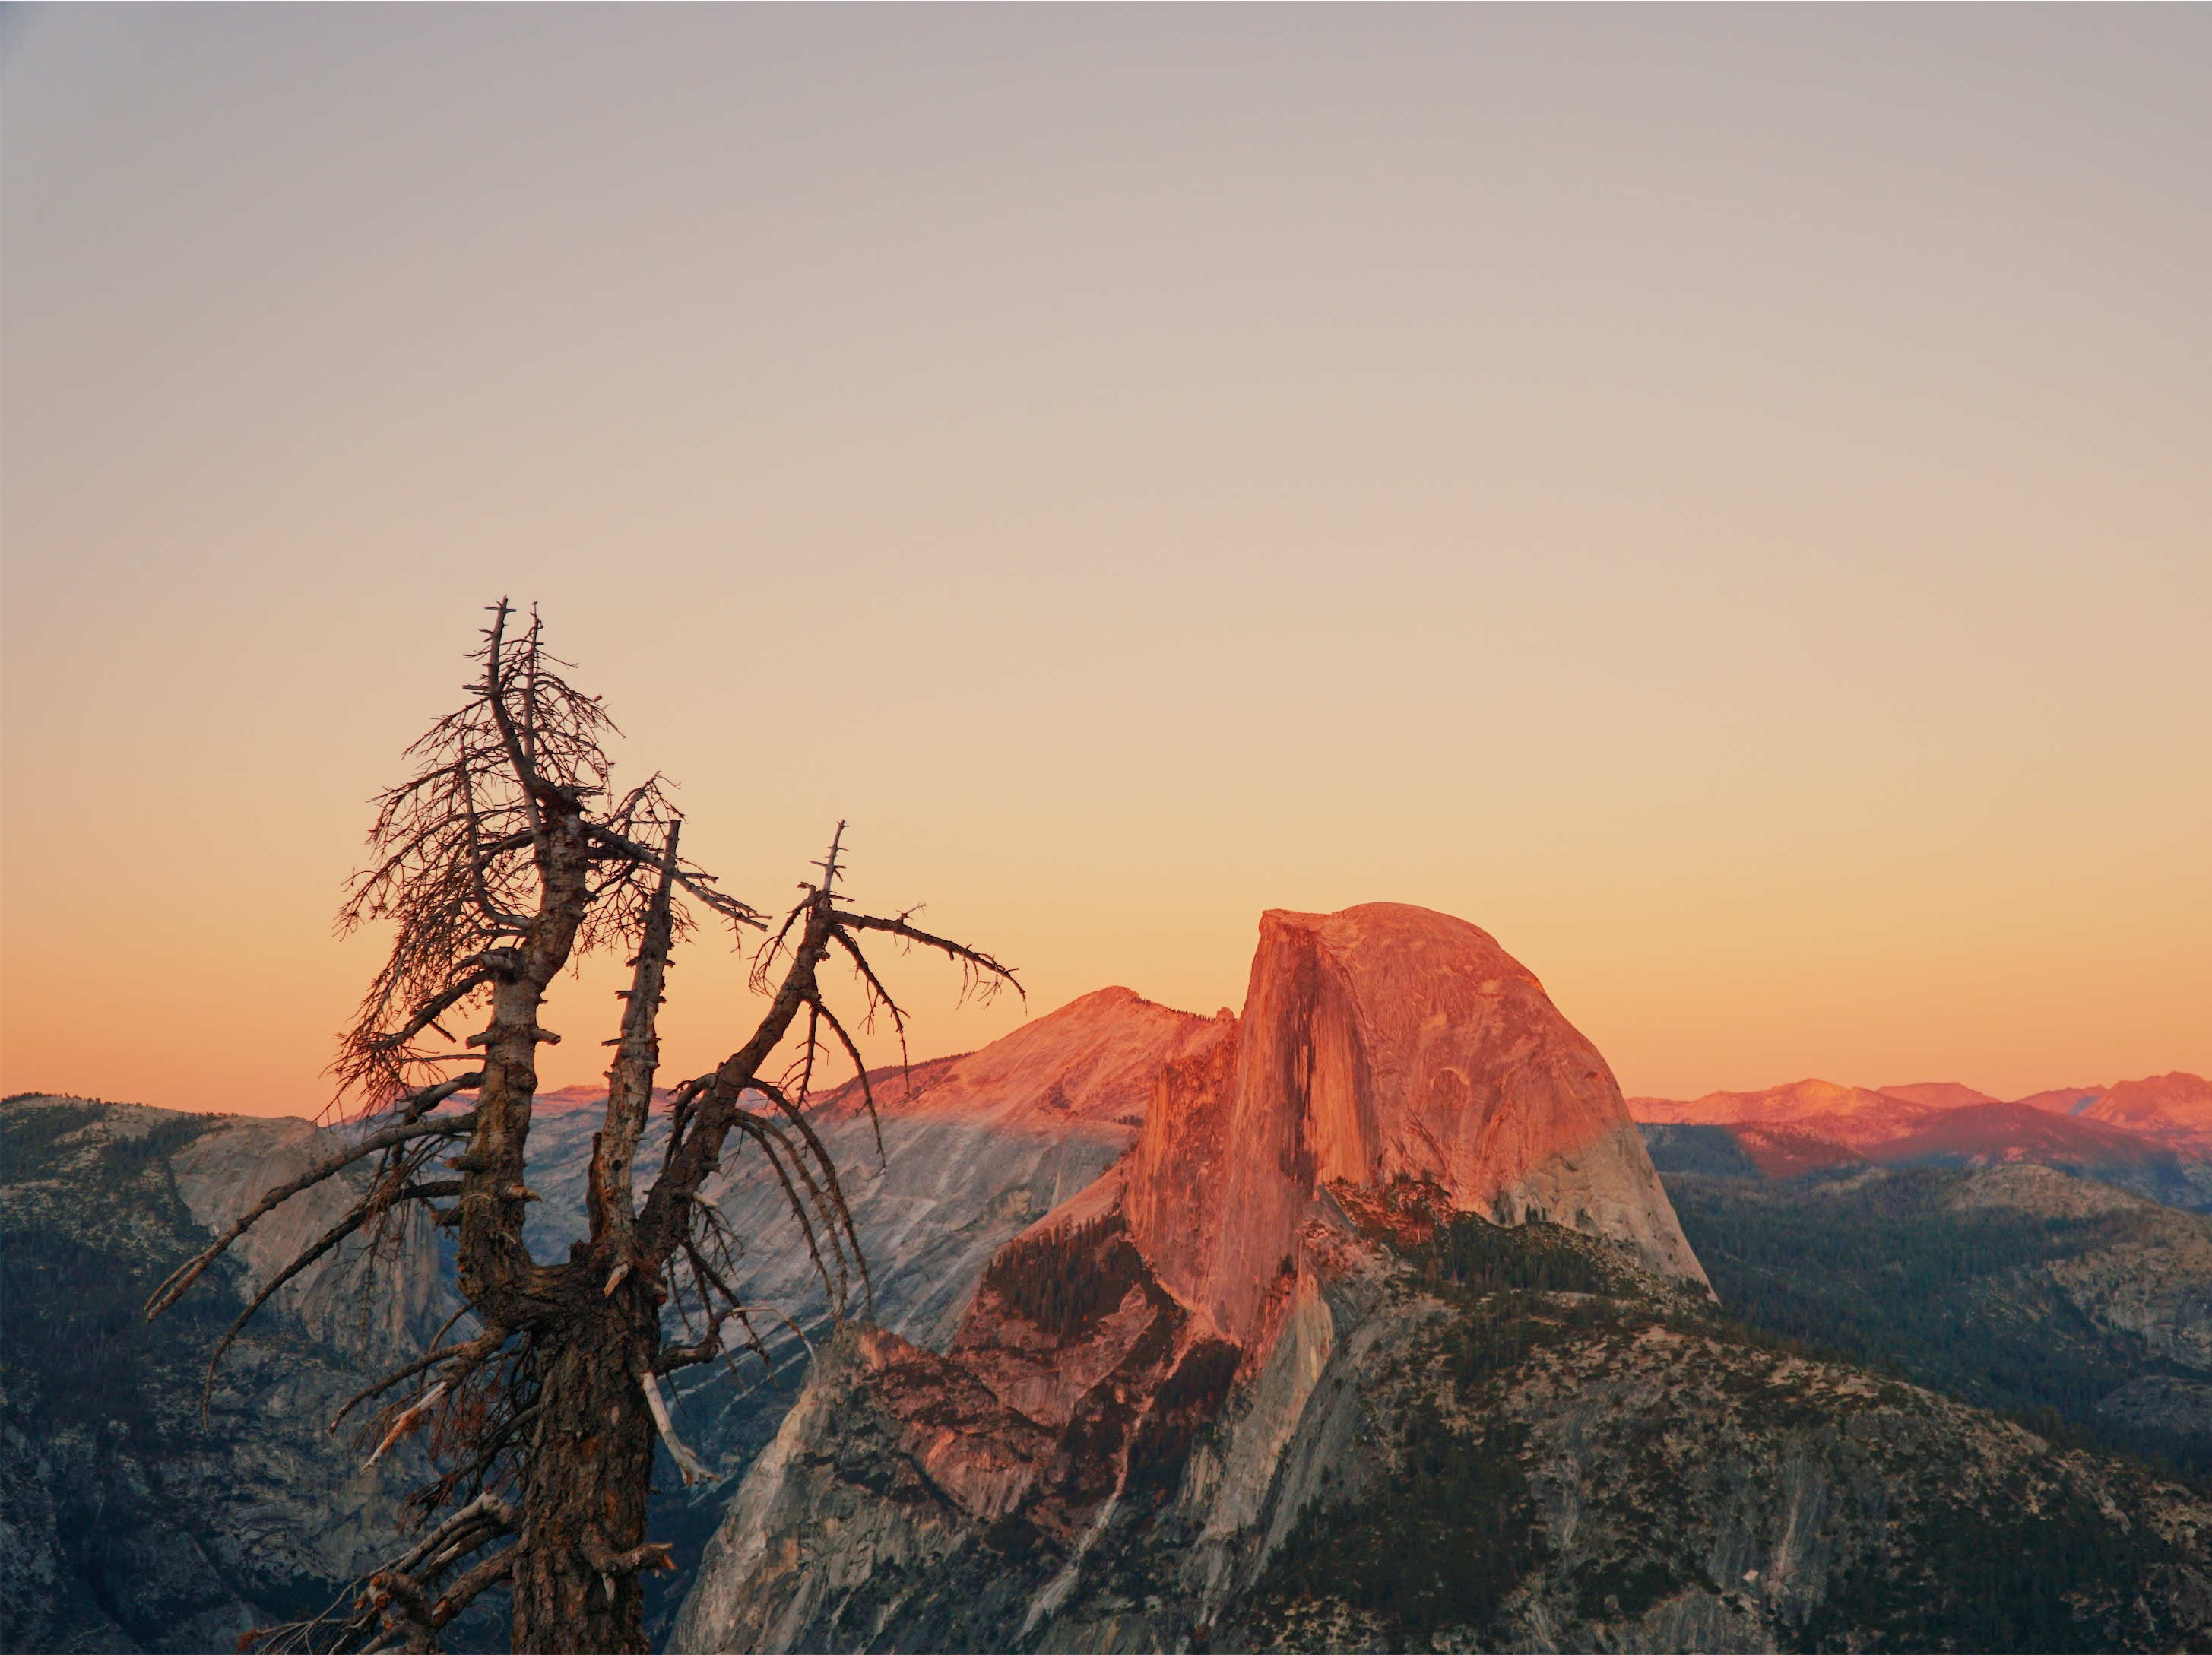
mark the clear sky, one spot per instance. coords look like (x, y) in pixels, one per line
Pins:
(1722, 499)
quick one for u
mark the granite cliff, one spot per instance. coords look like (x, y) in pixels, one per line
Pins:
(127, 1521)
(1400, 1172)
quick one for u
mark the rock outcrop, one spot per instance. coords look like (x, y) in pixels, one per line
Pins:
(1394, 1072)
(1383, 1044)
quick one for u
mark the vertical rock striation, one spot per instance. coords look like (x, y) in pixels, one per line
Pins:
(1382, 1045)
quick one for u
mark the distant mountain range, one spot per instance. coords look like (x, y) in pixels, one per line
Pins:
(1363, 1318)
(2153, 1136)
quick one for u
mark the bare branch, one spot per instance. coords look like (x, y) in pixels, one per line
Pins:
(689, 1463)
(482, 1345)
(988, 974)
(407, 1421)
(173, 1289)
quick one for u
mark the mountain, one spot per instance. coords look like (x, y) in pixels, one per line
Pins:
(1465, 1435)
(1852, 1116)
(1937, 1094)
(978, 1148)
(2174, 1109)
(125, 1525)
(1386, 1042)
(1985, 1134)
(2013, 1286)
(2063, 1101)
(126, 1521)
(2153, 1136)
(1775, 1152)
(1314, 1367)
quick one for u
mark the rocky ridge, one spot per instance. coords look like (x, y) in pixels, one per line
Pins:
(1465, 1436)
(975, 1148)
(126, 1522)
(2152, 1136)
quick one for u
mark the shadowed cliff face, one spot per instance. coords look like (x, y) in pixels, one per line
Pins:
(1383, 1043)
(129, 1520)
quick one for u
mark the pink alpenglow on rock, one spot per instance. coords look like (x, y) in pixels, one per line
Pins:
(1853, 1116)
(1383, 1042)
(1939, 1094)
(2174, 1109)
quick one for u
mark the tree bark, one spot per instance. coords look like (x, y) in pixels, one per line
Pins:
(586, 1483)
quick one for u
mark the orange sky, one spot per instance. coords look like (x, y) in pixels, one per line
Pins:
(1718, 498)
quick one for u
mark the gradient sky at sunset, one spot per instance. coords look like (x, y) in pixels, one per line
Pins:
(1722, 499)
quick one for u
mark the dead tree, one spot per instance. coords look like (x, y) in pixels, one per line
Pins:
(507, 854)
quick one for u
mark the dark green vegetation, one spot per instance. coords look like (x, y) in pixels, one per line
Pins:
(1451, 1540)
(1880, 1270)
(2051, 1577)
(1066, 1280)
(1453, 1534)
(1480, 1257)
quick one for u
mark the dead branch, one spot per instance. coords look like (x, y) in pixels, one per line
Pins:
(173, 1288)
(472, 1586)
(689, 1463)
(653, 1555)
(483, 1346)
(406, 1421)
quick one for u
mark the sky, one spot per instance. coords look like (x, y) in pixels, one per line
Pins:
(1720, 498)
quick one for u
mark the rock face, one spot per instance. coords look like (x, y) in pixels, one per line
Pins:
(975, 1150)
(1393, 1069)
(127, 1521)
(223, 1173)
(1386, 1042)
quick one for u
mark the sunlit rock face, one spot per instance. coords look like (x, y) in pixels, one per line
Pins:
(1381, 1043)
(1161, 1339)
(224, 1173)
(974, 1149)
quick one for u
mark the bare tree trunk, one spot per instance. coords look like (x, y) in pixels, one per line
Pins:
(496, 868)
(575, 1584)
